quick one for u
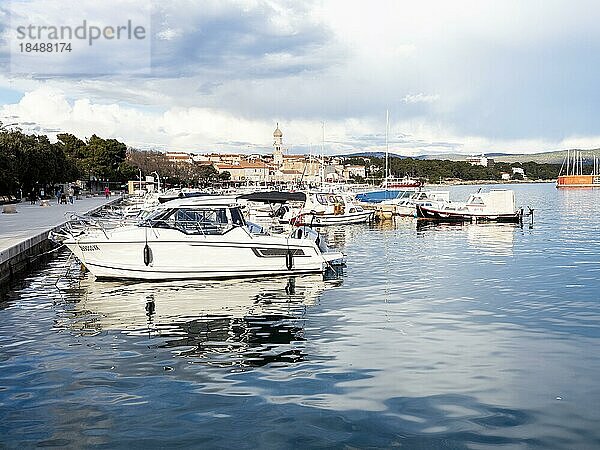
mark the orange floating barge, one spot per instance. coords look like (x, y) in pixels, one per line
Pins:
(571, 173)
(566, 181)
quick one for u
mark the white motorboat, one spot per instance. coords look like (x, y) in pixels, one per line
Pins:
(322, 209)
(201, 237)
(497, 205)
(406, 206)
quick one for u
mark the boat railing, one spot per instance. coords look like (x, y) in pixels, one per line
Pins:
(77, 224)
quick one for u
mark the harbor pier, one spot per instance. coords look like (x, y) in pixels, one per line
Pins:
(24, 233)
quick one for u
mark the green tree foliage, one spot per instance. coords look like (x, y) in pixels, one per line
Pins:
(206, 173)
(32, 162)
(433, 170)
(9, 164)
(103, 158)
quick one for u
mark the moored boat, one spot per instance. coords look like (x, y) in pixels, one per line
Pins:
(323, 209)
(571, 173)
(401, 183)
(407, 206)
(497, 205)
(203, 237)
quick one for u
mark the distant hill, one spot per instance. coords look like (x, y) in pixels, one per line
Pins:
(373, 155)
(555, 157)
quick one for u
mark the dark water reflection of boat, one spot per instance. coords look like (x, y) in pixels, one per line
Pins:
(243, 323)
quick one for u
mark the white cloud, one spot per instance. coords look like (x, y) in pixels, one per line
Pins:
(420, 98)
(205, 129)
(169, 34)
(466, 76)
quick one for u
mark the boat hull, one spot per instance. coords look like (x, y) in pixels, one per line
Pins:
(429, 214)
(139, 254)
(322, 220)
(578, 181)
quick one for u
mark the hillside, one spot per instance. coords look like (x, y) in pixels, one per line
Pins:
(555, 157)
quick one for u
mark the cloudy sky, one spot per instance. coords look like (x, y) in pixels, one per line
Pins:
(457, 76)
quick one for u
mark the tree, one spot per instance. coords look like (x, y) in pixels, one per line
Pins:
(9, 168)
(104, 156)
(206, 172)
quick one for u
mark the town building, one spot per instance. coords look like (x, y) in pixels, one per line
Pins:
(179, 157)
(278, 167)
(245, 171)
(518, 170)
(481, 160)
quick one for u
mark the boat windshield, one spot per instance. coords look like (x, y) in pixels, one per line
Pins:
(321, 198)
(213, 220)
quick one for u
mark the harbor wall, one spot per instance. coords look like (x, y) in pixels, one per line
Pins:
(23, 256)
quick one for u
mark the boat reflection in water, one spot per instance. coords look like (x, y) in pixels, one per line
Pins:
(487, 238)
(492, 239)
(240, 323)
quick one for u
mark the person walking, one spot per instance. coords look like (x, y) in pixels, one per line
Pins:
(58, 196)
(71, 194)
(107, 192)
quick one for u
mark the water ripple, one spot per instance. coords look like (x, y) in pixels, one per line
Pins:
(435, 337)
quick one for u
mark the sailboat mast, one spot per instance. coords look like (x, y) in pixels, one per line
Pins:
(322, 154)
(387, 149)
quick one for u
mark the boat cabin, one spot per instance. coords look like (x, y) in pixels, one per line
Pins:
(190, 218)
(332, 203)
(500, 201)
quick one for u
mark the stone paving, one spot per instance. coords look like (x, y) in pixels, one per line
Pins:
(32, 220)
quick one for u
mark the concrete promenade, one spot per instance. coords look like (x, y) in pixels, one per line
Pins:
(23, 235)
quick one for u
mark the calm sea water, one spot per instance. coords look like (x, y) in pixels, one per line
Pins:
(438, 337)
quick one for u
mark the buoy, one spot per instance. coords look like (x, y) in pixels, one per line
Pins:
(147, 254)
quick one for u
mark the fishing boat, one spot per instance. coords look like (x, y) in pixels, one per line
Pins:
(497, 205)
(571, 172)
(323, 209)
(195, 238)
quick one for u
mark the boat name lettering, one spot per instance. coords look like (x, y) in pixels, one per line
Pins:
(89, 247)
